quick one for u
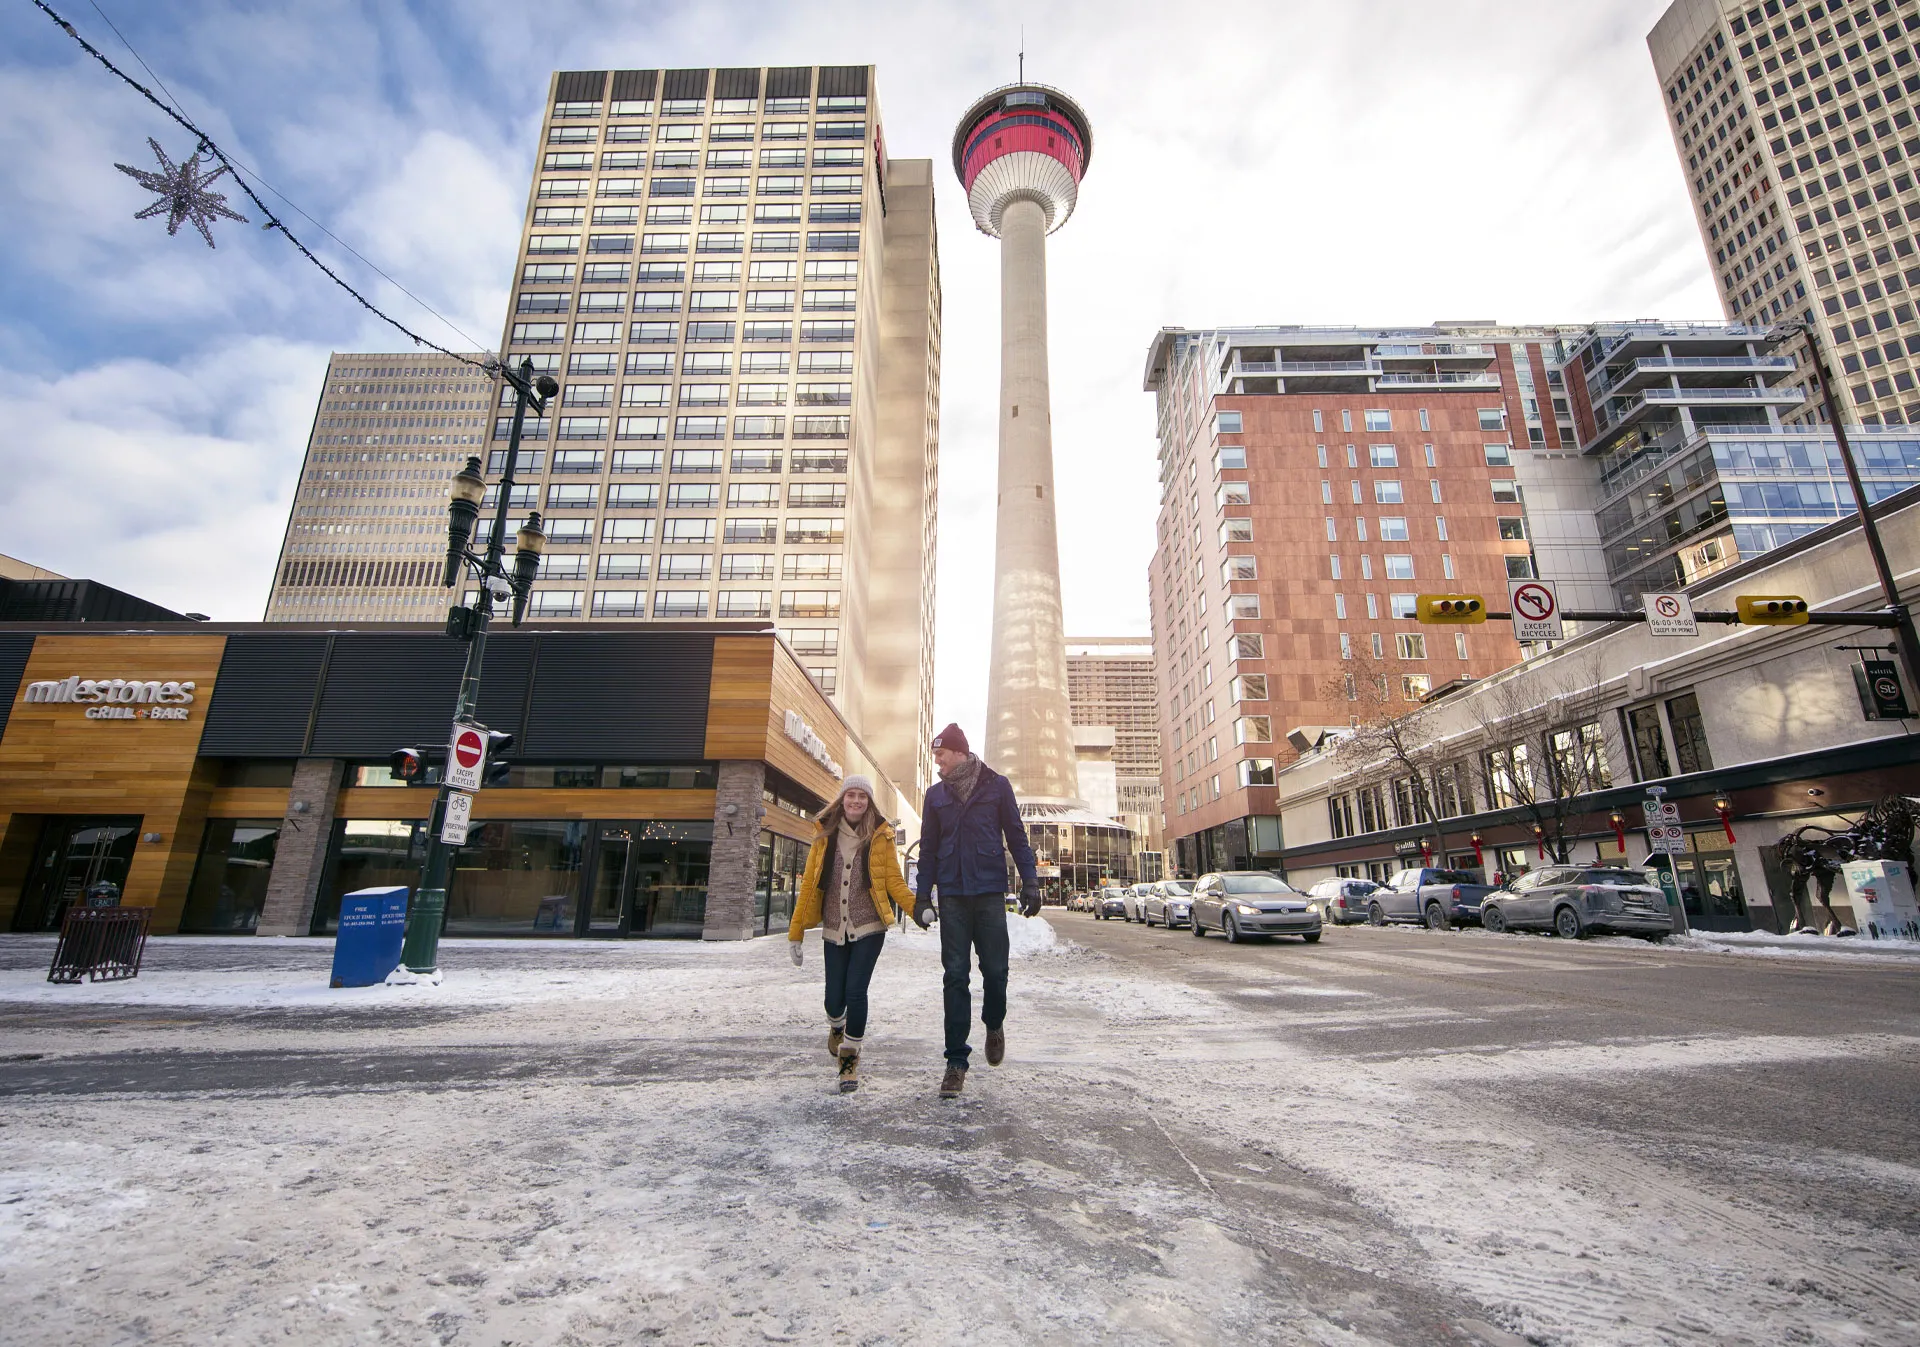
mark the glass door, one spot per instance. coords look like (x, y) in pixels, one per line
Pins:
(75, 854)
(609, 912)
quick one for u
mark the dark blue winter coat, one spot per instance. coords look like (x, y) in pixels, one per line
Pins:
(960, 844)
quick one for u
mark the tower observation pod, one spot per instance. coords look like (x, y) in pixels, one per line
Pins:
(1020, 153)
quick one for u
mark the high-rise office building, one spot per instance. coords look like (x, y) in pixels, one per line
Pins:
(739, 293)
(367, 532)
(1020, 152)
(1795, 124)
(1111, 686)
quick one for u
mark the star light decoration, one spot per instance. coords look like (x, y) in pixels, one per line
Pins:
(183, 193)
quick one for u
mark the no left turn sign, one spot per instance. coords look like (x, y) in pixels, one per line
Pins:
(1535, 606)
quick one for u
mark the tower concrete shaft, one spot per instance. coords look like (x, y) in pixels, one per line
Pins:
(1029, 727)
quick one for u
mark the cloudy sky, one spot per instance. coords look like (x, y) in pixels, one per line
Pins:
(1280, 162)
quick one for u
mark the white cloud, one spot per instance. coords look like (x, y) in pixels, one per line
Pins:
(1364, 162)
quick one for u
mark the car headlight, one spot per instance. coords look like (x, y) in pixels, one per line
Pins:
(1246, 911)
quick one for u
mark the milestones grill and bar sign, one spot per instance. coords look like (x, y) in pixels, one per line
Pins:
(117, 698)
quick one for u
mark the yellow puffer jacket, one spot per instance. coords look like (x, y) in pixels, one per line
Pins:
(884, 881)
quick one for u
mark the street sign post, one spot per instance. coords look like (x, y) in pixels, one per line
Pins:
(1665, 837)
(1535, 605)
(466, 756)
(453, 831)
(1670, 615)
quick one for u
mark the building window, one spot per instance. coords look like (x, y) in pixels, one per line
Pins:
(1227, 423)
(1239, 568)
(1346, 649)
(1242, 606)
(1319, 427)
(1393, 529)
(1399, 566)
(1415, 687)
(1519, 568)
(1411, 645)
(1253, 730)
(1513, 529)
(1689, 733)
(1383, 456)
(1387, 493)
(1248, 688)
(1648, 744)
(1446, 565)
(1404, 606)
(1255, 772)
(1246, 647)
(1460, 644)
(1499, 456)
(1378, 420)
(1379, 646)
(1508, 492)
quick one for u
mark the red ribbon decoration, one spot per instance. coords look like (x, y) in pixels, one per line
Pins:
(1426, 852)
(1478, 858)
(1620, 831)
(1726, 819)
(1540, 840)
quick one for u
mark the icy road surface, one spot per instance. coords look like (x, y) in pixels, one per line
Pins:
(1391, 1137)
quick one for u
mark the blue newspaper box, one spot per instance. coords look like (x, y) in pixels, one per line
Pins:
(372, 923)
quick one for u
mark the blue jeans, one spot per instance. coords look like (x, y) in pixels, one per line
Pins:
(849, 970)
(973, 924)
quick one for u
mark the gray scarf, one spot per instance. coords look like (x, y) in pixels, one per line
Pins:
(963, 777)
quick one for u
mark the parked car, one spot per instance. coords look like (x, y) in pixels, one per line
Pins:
(1136, 894)
(1169, 903)
(1438, 898)
(1571, 902)
(1080, 902)
(1243, 903)
(1342, 901)
(1113, 903)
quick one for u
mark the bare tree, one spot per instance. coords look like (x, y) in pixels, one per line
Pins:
(1386, 729)
(1542, 747)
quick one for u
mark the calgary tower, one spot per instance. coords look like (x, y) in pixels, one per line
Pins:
(1020, 152)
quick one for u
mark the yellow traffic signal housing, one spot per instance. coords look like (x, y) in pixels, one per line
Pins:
(1451, 608)
(1772, 610)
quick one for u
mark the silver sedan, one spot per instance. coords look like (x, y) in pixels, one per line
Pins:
(1243, 903)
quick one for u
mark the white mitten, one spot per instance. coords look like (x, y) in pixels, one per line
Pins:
(793, 952)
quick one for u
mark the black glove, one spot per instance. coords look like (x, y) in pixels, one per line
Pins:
(923, 913)
(1030, 901)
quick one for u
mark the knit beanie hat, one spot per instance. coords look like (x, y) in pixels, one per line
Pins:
(951, 737)
(857, 782)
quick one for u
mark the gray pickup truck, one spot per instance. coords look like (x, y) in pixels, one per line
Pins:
(1440, 899)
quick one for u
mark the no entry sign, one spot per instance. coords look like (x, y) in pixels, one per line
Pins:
(1535, 606)
(466, 757)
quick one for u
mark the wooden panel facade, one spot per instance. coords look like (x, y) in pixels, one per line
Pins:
(55, 760)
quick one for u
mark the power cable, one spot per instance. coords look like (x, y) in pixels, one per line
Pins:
(207, 143)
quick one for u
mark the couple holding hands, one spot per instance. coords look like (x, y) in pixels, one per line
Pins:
(853, 880)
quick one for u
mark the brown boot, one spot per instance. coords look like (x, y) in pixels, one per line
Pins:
(835, 1034)
(953, 1082)
(996, 1046)
(849, 1071)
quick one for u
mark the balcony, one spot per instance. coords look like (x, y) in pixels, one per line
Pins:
(1460, 379)
(1699, 371)
(1620, 411)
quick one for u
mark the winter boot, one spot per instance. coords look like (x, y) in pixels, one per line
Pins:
(836, 1034)
(849, 1065)
(996, 1046)
(953, 1082)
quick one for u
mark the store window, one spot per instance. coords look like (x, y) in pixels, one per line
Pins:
(230, 881)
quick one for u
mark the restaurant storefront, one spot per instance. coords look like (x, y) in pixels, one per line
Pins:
(236, 778)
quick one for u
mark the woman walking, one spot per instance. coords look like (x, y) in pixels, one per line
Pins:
(848, 890)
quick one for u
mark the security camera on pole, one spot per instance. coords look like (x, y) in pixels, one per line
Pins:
(471, 745)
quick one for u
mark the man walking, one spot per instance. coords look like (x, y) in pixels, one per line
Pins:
(969, 823)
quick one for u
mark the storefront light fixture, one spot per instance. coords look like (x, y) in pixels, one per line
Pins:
(463, 509)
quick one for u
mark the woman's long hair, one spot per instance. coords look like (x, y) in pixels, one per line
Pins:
(830, 818)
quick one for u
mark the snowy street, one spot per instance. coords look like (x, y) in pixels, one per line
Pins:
(1394, 1136)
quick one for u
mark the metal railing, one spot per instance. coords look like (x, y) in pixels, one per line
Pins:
(101, 944)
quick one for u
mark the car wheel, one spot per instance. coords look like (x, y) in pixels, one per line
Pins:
(1231, 929)
(1437, 918)
(1494, 920)
(1195, 928)
(1311, 937)
(1376, 915)
(1566, 924)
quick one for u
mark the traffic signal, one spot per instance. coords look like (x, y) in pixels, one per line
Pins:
(1451, 608)
(498, 744)
(1772, 610)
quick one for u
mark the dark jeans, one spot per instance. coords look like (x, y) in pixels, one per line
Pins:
(973, 923)
(849, 970)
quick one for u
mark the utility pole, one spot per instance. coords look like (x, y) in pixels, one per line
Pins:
(1904, 634)
(420, 952)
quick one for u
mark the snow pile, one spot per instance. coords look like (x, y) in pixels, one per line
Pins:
(1766, 944)
(1027, 936)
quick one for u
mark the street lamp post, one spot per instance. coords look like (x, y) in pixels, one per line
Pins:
(1904, 634)
(420, 952)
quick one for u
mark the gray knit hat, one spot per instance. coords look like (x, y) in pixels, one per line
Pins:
(858, 782)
